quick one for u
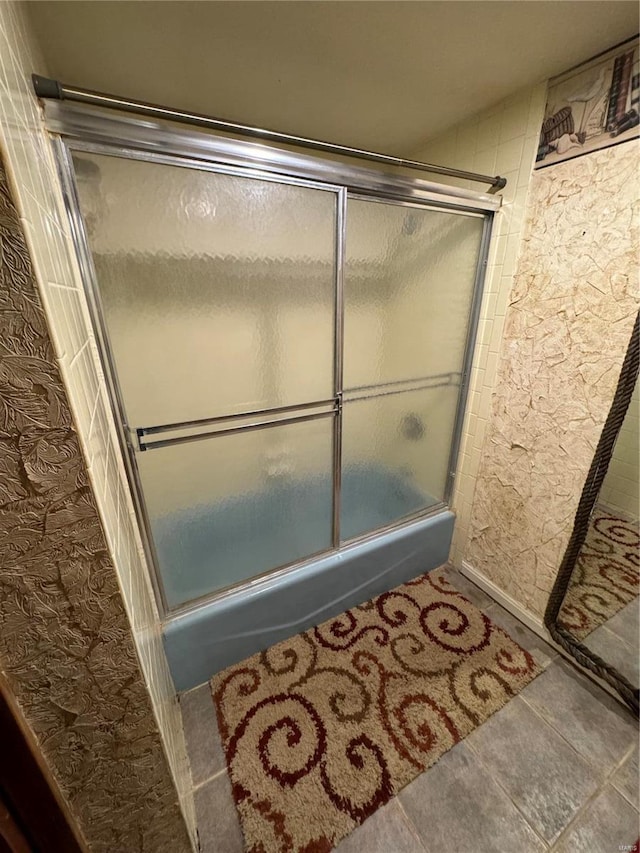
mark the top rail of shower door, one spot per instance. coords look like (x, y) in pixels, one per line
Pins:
(47, 88)
(86, 128)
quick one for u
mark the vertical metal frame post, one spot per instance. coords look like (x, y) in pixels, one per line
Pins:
(467, 361)
(338, 365)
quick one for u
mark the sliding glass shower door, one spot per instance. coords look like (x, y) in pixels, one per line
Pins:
(408, 288)
(287, 358)
(218, 294)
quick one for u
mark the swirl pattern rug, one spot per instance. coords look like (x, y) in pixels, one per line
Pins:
(606, 576)
(321, 730)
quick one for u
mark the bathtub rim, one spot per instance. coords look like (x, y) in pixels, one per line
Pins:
(202, 642)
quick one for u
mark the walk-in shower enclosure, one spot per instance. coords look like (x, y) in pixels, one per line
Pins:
(287, 342)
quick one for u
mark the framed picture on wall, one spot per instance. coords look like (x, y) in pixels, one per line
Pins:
(592, 106)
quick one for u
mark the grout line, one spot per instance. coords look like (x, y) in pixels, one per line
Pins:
(204, 782)
(62, 286)
(496, 779)
(590, 800)
(197, 687)
(413, 828)
(606, 630)
(605, 775)
(629, 755)
(539, 712)
(79, 353)
(94, 412)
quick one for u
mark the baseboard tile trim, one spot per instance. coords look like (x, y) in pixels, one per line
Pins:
(534, 623)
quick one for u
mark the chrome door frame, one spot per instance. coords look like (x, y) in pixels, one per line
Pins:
(80, 122)
(74, 128)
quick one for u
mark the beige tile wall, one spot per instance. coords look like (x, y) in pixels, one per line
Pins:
(31, 168)
(502, 140)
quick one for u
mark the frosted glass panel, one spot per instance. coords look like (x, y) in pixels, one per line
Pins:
(227, 508)
(395, 452)
(409, 279)
(218, 291)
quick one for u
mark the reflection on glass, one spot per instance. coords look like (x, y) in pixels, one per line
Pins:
(601, 606)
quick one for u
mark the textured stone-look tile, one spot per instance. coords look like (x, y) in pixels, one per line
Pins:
(607, 823)
(541, 652)
(626, 779)
(201, 730)
(217, 819)
(543, 775)
(456, 805)
(566, 330)
(595, 724)
(386, 830)
(616, 652)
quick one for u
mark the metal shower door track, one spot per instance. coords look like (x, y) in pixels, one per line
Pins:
(128, 136)
(143, 141)
(49, 89)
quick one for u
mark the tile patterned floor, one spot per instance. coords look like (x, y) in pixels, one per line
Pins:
(617, 641)
(556, 769)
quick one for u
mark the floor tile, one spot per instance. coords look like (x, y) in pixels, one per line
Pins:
(615, 651)
(201, 731)
(455, 805)
(542, 774)
(626, 780)
(217, 818)
(475, 595)
(386, 831)
(595, 724)
(608, 823)
(541, 652)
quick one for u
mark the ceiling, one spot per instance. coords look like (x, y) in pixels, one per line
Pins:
(381, 75)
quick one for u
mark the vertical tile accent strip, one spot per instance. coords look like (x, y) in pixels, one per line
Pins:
(65, 642)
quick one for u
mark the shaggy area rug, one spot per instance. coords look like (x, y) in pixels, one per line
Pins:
(321, 730)
(606, 576)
